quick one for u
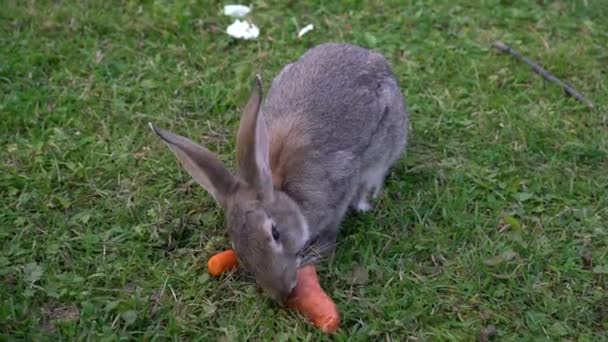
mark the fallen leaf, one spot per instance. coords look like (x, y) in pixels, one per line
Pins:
(486, 333)
(111, 306)
(53, 313)
(148, 84)
(502, 257)
(87, 309)
(358, 276)
(370, 39)
(305, 30)
(513, 223)
(155, 301)
(522, 196)
(129, 288)
(237, 11)
(243, 30)
(203, 278)
(208, 309)
(558, 329)
(129, 317)
(600, 269)
(587, 260)
(32, 272)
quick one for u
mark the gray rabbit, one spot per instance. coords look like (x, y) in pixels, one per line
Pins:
(321, 141)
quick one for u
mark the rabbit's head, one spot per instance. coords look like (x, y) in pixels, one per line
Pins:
(267, 228)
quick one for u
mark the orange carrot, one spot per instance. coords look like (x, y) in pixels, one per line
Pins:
(222, 262)
(309, 299)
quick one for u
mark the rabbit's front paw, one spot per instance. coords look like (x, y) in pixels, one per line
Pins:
(363, 205)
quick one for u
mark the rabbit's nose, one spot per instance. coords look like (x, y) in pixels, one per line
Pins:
(279, 296)
(287, 288)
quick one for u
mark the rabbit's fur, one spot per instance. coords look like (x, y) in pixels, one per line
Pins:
(322, 140)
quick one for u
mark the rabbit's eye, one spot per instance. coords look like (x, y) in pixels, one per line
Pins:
(275, 233)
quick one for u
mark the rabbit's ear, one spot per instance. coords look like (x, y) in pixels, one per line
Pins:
(201, 164)
(252, 145)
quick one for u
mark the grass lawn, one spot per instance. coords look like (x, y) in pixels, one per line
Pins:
(497, 216)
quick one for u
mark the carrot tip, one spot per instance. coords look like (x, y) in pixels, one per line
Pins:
(310, 300)
(331, 325)
(222, 262)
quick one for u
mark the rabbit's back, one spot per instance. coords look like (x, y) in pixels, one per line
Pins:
(336, 92)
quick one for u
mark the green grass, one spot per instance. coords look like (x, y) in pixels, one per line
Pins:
(498, 215)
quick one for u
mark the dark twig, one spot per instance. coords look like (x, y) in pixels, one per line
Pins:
(544, 73)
